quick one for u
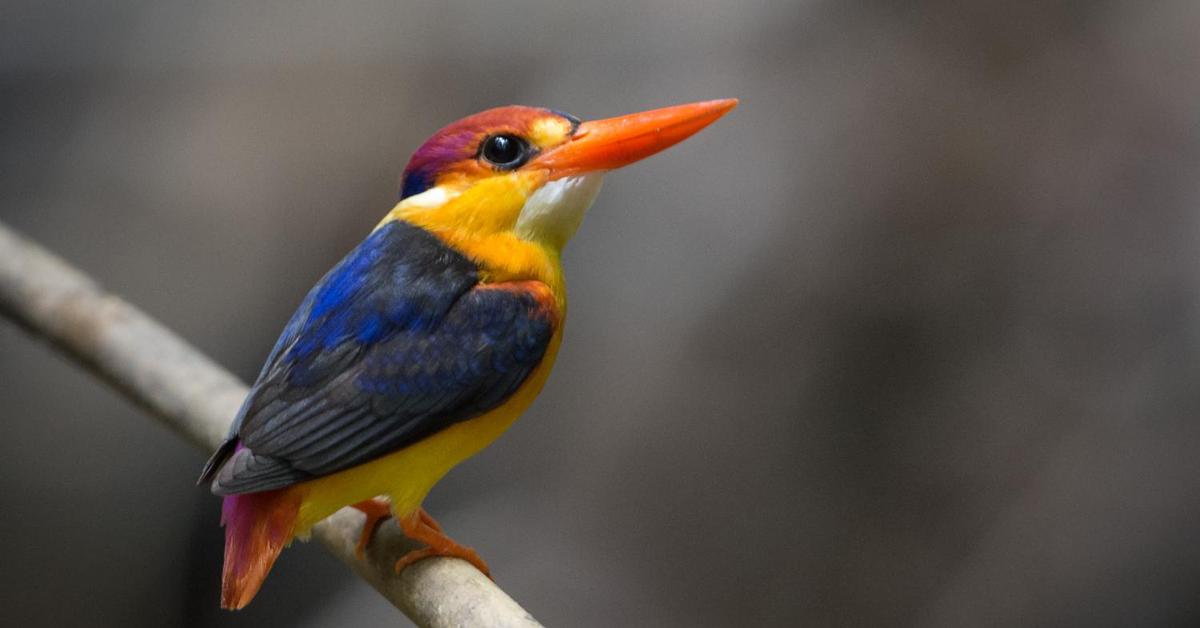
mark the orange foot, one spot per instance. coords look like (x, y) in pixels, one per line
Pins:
(376, 511)
(421, 527)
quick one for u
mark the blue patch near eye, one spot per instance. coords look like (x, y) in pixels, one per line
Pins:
(415, 183)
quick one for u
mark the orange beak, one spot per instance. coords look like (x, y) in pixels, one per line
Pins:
(609, 144)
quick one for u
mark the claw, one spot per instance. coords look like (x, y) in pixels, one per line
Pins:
(422, 527)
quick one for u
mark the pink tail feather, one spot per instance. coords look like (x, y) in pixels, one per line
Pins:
(257, 527)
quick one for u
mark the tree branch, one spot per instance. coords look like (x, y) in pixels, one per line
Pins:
(197, 399)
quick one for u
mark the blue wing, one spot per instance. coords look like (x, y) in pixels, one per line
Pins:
(397, 342)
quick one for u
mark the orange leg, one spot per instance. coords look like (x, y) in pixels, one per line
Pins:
(376, 511)
(428, 520)
(421, 527)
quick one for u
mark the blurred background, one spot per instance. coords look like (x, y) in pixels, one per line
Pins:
(911, 338)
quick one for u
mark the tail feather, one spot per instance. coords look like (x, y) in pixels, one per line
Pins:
(257, 527)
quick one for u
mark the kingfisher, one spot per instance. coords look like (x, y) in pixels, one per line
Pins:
(428, 339)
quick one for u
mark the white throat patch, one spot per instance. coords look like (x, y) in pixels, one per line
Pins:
(553, 213)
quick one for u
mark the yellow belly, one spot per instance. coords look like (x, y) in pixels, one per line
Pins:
(407, 475)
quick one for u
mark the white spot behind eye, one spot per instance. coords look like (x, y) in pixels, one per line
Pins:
(433, 197)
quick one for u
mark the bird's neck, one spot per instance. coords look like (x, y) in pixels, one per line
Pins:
(483, 223)
(504, 257)
(500, 256)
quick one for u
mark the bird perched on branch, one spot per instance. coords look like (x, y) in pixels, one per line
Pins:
(428, 339)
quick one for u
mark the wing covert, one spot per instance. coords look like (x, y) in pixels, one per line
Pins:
(395, 343)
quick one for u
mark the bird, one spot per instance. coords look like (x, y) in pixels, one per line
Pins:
(428, 339)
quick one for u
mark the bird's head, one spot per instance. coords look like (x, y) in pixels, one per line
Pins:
(529, 174)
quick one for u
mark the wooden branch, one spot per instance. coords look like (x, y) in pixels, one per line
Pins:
(197, 399)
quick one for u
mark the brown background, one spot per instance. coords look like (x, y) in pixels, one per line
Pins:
(911, 338)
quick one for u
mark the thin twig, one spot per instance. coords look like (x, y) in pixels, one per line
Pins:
(196, 398)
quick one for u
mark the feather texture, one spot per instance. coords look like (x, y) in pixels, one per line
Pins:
(398, 341)
(257, 528)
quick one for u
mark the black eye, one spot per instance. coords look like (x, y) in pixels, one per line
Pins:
(505, 151)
